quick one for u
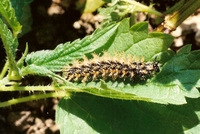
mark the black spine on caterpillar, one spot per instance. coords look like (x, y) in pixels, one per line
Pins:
(112, 69)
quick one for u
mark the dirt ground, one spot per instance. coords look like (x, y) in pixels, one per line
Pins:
(53, 23)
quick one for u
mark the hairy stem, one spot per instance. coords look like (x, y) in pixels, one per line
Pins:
(34, 97)
(4, 70)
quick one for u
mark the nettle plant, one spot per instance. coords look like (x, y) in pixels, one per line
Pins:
(166, 102)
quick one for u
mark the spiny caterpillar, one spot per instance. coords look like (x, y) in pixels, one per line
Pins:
(108, 67)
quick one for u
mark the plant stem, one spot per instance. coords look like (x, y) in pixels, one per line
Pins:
(174, 20)
(4, 70)
(143, 8)
(57, 92)
(37, 88)
(34, 97)
(171, 10)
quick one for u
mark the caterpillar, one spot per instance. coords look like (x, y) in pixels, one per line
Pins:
(108, 67)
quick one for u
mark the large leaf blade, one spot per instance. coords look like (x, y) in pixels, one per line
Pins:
(83, 112)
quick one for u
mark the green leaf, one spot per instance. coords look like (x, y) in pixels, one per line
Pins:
(23, 14)
(41, 71)
(84, 112)
(119, 9)
(183, 72)
(56, 59)
(36, 70)
(139, 31)
(117, 38)
(9, 41)
(8, 14)
(165, 56)
(109, 14)
(185, 50)
(137, 42)
(176, 81)
(148, 47)
(138, 90)
(19, 7)
(120, 91)
(10, 44)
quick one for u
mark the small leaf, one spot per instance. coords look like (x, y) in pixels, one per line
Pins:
(8, 13)
(10, 44)
(109, 14)
(41, 71)
(186, 49)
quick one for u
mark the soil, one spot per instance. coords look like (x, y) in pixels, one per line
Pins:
(53, 23)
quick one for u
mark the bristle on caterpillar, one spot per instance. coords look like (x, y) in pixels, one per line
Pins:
(108, 67)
